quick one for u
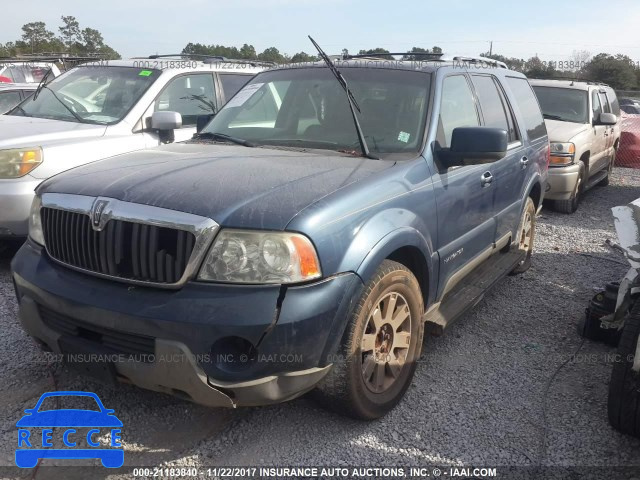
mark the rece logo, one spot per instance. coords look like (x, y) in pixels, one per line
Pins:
(72, 422)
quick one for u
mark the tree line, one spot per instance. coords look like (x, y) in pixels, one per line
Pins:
(70, 39)
(619, 71)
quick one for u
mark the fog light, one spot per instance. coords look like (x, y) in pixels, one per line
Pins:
(233, 354)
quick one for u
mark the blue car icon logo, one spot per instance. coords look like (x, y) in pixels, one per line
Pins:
(33, 447)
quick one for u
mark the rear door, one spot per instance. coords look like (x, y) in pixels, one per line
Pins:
(465, 194)
(511, 171)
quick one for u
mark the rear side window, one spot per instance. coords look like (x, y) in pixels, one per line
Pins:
(457, 109)
(495, 111)
(529, 107)
(232, 83)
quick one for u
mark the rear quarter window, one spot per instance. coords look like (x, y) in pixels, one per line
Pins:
(529, 107)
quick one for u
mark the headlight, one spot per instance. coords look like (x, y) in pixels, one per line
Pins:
(17, 162)
(562, 154)
(245, 256)
(35, 224)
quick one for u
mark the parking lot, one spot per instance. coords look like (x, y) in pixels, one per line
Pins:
(489, 392)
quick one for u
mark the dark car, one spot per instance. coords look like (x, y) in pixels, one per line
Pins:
(289, 247)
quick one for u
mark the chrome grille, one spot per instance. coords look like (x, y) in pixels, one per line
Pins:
(122, 248)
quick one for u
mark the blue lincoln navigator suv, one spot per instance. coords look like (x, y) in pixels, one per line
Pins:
(304, 240)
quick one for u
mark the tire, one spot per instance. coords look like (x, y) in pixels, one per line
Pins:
(571, 205)
(526, 236)
(361, 383)
(605, 181)
(624, 388)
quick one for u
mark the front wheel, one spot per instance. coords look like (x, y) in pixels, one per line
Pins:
(380, 346)
(571, 205)
(525, 236)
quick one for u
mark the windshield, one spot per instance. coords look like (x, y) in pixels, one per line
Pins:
(92, 94)
(564, 104)
(307, 108)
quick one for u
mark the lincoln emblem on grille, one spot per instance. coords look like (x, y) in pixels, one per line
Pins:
(96, 213)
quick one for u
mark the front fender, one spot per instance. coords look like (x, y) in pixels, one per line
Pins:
(383, 234)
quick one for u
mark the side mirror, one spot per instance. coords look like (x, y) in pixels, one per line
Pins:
(166, 123)
(606, 119)
(474, 146)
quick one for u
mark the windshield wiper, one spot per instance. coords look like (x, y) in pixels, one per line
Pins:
(18, 107)
(223, 137)
(75, 115)
(551, 117)
(353, 105)
(41, 84)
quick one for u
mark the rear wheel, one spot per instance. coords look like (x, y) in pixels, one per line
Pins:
(605, 181)
(380, 347)
(571, 205)
(624, 388)
(526, 236)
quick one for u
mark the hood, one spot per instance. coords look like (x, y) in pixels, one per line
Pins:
(564, 131)
(17, 131)
(235, 186)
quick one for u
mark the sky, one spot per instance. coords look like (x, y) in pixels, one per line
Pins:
(552, 29)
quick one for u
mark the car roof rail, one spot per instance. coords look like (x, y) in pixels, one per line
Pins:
(215, 58)
(474, 59)
(377, 55)
(575, 79)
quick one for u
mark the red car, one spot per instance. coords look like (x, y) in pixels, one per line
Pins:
(628, 154)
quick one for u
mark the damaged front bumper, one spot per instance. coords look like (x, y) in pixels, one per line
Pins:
(217, 345)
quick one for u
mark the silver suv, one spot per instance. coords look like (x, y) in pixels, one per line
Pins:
(583, 122)
(106, 108)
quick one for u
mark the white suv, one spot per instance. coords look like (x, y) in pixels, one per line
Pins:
(583, 122)
(107, 108)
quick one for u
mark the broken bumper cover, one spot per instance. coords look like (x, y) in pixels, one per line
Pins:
(293, 330)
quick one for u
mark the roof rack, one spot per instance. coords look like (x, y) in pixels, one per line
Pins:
(576, 79)
(383, 54)
(215, 58)
(437, 57)
(474, 59)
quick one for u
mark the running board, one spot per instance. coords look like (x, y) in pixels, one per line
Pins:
(597, 178)
(470, 290)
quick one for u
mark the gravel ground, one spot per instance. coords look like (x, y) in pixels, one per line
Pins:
(487, 393)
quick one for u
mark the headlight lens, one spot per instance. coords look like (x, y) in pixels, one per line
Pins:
(35, 224)
(17, 162)
(245, 256)
(562, 154)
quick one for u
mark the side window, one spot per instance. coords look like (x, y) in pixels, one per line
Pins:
(189, 95)
(8, 100)
(15, 73)
(605, 103)
(232, 82)
(495, 110)
(613, 100)
(529, 107)
(595, 104)
(457, 109)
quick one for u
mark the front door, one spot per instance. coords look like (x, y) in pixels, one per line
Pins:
(464, 195)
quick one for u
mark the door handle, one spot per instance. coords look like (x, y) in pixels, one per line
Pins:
(486, 179)
(524, 161)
